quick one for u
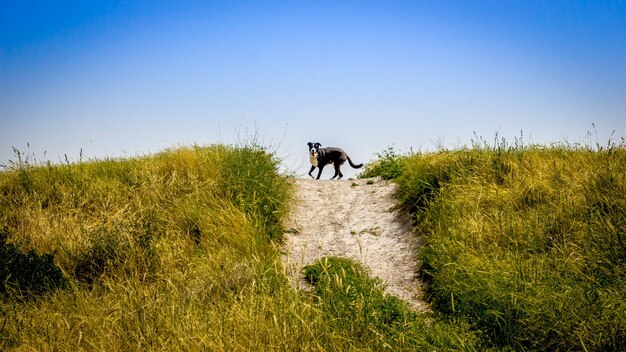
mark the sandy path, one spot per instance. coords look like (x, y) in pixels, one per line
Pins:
(354, 219)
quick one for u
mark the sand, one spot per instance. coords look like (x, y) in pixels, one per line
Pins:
(356, 219)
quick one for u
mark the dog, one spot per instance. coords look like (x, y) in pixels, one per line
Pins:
(321, 157)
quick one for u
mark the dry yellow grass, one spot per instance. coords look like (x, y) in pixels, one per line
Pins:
(528, 243)
(176, 251)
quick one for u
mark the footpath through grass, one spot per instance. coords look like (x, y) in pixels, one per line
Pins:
(180, 251)
(526, 243)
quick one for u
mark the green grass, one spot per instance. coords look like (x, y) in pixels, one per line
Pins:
(172, 251)
(355, 307)
(528, 243)
(388, 165)
(178, 251)
(524, 249)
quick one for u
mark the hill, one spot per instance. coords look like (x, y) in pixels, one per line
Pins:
(527, 243)
(521, 247)
(181, 251)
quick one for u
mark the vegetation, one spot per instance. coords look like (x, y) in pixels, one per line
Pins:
(179, 251)
(388, 166)
(527, 243)
(173, 251)
(354, 306)
(524, 249)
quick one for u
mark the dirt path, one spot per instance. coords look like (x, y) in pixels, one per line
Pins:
(354, 219)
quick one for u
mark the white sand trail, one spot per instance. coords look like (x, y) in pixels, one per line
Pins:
(355, 219)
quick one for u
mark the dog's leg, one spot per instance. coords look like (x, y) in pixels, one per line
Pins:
(310, 171)
(320, 167)
(337, 171)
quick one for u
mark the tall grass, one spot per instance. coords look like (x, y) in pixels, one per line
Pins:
(526, 242)
(354, 306)
(171, 251)
(176, 251)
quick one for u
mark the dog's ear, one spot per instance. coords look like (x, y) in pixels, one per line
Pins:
(310, 145)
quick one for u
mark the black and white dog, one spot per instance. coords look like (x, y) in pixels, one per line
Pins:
(321, 157)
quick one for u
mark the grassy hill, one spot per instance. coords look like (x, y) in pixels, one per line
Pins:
(169, 251)
(524, 248)
(180, 251)
(526, 243)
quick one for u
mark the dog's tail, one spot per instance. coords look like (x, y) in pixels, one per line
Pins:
(354, 166)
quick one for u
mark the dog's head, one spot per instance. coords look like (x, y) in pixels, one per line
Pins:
(314, 149)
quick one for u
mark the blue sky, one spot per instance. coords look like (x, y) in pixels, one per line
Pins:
(128, 78)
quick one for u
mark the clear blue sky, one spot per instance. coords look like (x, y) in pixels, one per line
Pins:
(134, 77)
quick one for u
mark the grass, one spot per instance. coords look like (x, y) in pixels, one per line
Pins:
(178, 251)
(388, 165)
(524, 249)
(527, 243)
(174, 251)
(355, 307)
